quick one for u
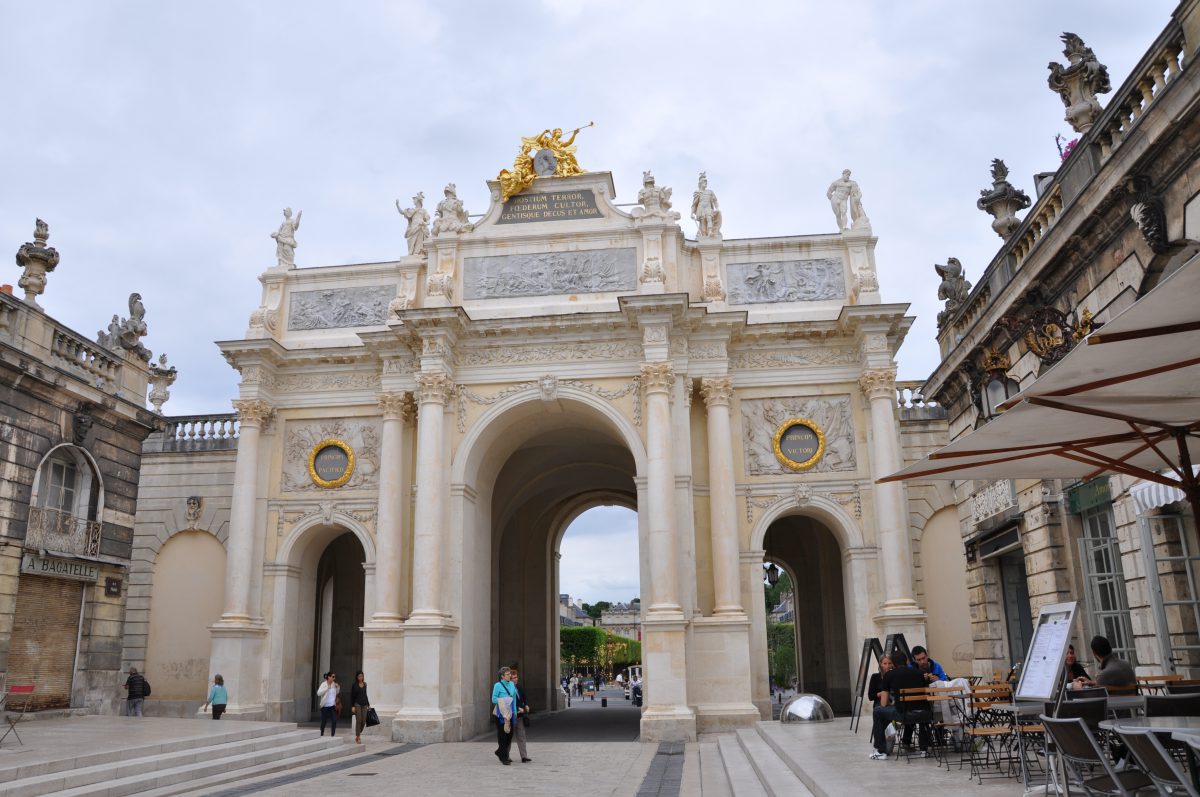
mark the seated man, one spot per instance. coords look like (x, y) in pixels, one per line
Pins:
(935, 675)
(930, 670)
(1113, 671)
(901, 677)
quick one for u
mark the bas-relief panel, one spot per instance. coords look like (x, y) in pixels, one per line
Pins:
(361, 436)
(762, 417)
(550, 273)
(786, 281)
(336, 308)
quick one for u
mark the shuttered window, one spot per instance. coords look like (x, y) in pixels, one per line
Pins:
(45, 630)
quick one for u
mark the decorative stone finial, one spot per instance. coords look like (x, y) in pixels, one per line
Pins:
(845, 192)
(285, 239)
(953, 290)
(451, 215)
(128, 333)
(161, 378)
(38, 260)
(418, 224)
(1079, 82)
(1003, 201)
(705, 210)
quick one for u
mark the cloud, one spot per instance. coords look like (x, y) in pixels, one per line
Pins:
(599, 556)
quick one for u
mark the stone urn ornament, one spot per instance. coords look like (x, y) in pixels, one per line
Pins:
(38, 260)
(1002, 201)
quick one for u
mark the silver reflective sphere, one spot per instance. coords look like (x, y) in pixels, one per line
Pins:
(806, 708)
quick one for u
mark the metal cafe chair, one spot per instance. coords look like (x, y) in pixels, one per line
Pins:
(1183, 688)
(11, 695)
(1154, 759)
(1083, 756)
(1184, 705)
(909, 715)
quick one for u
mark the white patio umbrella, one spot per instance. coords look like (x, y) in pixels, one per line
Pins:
(1126, 401)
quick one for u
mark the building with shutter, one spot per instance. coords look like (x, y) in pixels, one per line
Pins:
(72, 422)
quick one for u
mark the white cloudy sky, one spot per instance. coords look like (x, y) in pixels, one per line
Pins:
(600, 556)
(161, 140)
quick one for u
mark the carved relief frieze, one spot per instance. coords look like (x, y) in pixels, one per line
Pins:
(761, 418)
(301, 436)
(290, 518)
(550, 273)
(336, 308)
(556, 352)
(786, 281)
(802, 495)
(331, 381)
(788, 358)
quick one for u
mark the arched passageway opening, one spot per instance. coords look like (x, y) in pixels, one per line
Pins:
(809, 553)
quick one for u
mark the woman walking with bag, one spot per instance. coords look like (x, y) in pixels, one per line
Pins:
(504, 698)
(359, 705)
(327, 698)
(218, 697)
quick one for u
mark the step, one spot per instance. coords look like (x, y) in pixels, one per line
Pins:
(743, 780)
(247, 777)
(774, 774)
(785, 748)
(187, 773)
(713, 781)
(142, 764)
(20, 771)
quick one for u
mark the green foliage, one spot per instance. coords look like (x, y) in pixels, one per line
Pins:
(774, 594)
(587, 647)
(594, 609)
(781, 652)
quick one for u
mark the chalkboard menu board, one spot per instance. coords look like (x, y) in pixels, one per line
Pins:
(1043, 665)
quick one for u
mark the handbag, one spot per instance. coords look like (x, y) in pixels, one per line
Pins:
(372, 718)
(525, 720)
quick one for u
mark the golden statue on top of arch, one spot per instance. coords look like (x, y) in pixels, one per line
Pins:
(543, 155)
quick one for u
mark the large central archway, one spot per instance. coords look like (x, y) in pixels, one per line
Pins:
(531, 467)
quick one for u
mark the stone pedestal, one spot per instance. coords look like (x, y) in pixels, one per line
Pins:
(720, 666)
(383, 663)
(427, 715)
(238, 653)
(667, 717)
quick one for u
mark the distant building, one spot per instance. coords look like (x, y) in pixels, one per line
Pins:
(785, 612)
(623, 619)
(571, 613)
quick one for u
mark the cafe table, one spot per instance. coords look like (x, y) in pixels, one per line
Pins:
(1172, 725)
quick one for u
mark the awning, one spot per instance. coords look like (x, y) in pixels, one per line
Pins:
(1127, 402)
(1148, 496)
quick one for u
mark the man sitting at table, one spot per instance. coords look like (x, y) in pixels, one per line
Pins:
(1113, 671)
(930, 670)
(902, 677)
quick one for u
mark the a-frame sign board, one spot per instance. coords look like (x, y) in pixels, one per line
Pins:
(872, 650)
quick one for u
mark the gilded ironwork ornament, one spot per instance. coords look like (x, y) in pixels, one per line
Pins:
(799, 443)
(331, 463)
(544, 155)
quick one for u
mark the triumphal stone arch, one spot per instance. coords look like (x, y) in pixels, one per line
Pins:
(416, 435)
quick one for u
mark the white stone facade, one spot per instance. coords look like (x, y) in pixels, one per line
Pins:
(515, 374)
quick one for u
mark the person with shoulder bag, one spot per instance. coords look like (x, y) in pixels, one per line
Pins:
(522, 721)
(504, 702)
(359, 705)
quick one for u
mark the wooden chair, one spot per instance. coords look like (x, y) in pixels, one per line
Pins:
(1184, 687)
(911, 714)
(1154, 684)
(18, 693)
(989, 734)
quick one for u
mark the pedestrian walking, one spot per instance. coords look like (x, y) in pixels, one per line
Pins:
(218, 697)
(522, 718)
(327, 698)
(359, 705)
(137, 689)
(504, 698)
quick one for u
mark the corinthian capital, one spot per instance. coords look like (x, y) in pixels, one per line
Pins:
(434, 388)
(716, 390)
(253, 412)
(395, 406)
(878, 383)
(657, 377)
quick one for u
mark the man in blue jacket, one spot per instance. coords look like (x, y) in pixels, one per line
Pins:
(928, 667)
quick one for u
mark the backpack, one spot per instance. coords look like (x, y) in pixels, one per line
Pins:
(145, 688)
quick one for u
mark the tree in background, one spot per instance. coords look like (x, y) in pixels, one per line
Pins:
(591, 649)
(774, 594)
(595, 609)
(781, 653)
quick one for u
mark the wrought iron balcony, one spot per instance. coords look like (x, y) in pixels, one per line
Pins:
(52, 530)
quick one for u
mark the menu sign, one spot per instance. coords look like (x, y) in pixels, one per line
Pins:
(1044, 665)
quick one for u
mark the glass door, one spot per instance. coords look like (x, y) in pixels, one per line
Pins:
(1105, 599)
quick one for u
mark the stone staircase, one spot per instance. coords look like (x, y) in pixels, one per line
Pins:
(177, 766)
(756, 762)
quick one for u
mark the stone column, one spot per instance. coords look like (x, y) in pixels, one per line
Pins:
(667, 717)
(723, 525)
(657, 381)
(434, 391)
(239, 639)
(891, 505)
(752, 590)
(390, 524)
(239, 570)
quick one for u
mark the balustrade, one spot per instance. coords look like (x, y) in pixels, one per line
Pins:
(200, 432)
(59, 532)
(85, 359)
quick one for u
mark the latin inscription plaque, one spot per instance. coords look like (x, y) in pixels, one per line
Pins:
(331, 463)
(799, 443)
(554, 206)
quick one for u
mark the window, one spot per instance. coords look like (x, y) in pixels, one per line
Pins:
(58, 487)
(1107, 607)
